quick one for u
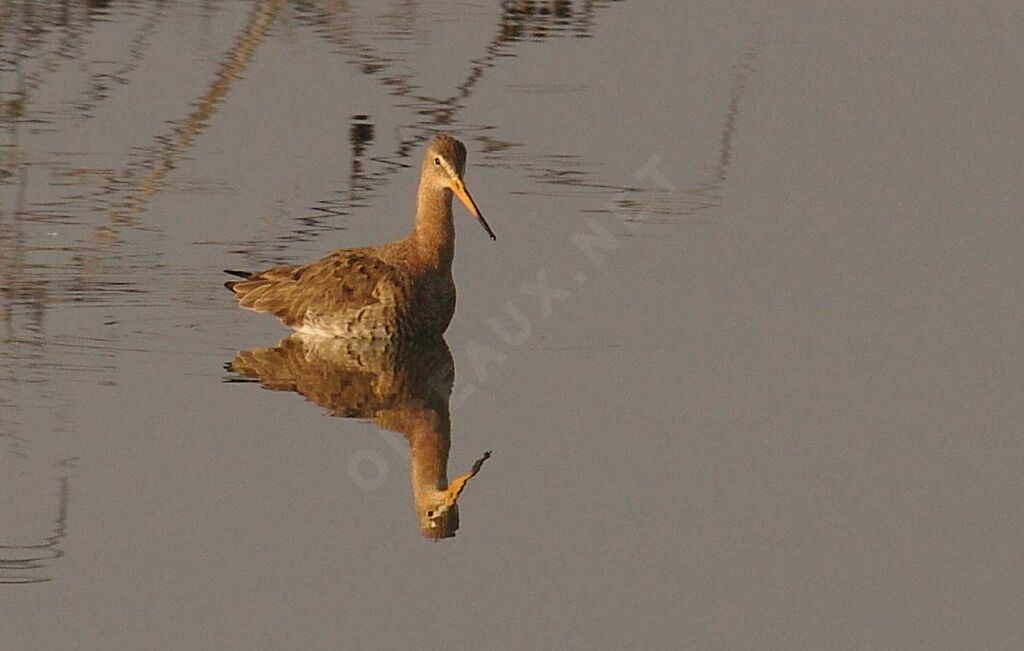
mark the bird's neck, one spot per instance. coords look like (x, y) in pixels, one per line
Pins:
(429, 441)
(429, 438)
(434, 234)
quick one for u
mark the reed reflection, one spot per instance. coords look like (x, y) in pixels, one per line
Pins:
(355, 34)
(32, 528)
(400, 387)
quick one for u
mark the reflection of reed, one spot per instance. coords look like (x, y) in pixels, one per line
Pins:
(744, 71)
(517, 21)
(19, 562)
(174, 144)
(102, 83)
(526, 20)
(130, 190)
(23, 304)
(336, 23)
(39, 38)
(142, 180)
(401, 388)
(668, 207)
(360, 135)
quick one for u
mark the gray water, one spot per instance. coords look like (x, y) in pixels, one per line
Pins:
(746, 352)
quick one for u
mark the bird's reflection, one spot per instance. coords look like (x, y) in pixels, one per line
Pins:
(401, 387)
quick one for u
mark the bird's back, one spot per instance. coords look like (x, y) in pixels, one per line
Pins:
(366, 293)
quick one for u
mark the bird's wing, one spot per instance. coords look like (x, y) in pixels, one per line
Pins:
(346, 281)
(328, 372)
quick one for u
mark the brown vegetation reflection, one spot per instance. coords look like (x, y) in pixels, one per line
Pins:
(345, 28)
(402, 388)
(52, 83)
(41, 40)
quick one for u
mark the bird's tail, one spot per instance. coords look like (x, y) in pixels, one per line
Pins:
(241, 274)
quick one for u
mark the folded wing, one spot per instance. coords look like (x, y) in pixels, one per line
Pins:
(344, 288)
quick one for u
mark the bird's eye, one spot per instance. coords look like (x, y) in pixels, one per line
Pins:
(430, 514)
(437, 160)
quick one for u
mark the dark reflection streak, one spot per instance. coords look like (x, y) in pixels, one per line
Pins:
(129, 191)
(360, 135)
(402, 19)
(515, 16)
(100, 89)
(18, 290)
(12, 109)
(18, 561)
(438, 111)
(336, 25)
(709, 190)
(146, 178)
(23, 292)
(174, 144)
(29, 38)
(663, 206)
(660, 205)
(744, 72)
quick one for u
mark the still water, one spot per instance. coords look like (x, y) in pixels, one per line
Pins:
(742, 370)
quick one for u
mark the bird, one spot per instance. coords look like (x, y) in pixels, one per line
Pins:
(399, 290)
(400, 385)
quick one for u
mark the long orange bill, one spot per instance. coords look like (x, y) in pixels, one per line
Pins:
(459, 188)
(457, 485)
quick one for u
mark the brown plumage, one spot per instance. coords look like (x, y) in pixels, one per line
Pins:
(402, 387)
(396, 290)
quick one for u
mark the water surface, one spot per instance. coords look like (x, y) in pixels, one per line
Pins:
(745, 353)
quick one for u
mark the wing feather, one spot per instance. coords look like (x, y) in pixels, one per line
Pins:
(340, 286)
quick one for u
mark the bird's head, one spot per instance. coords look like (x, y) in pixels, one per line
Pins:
(443, 167)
